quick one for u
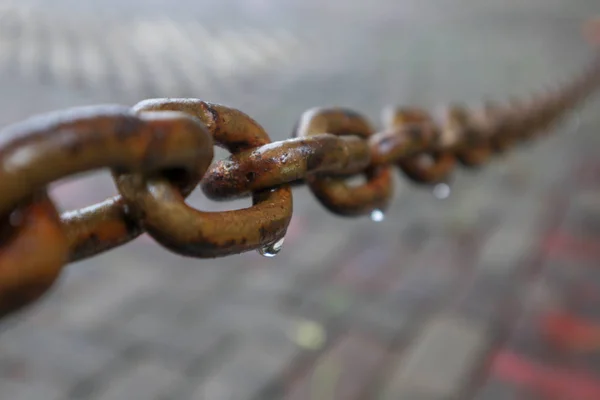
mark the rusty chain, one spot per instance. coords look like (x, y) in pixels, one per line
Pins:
(160, 150)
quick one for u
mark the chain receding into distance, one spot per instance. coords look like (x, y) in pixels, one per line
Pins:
(159, 150)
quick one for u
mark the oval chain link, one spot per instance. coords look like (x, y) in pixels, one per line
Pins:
(333, 192)
(33, 251)
(184, 230)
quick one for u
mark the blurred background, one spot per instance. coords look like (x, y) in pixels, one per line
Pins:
(491, 292)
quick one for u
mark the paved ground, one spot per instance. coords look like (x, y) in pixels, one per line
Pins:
(490, 294)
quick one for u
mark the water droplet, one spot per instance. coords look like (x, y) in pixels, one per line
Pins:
(441, 191)
(272, 249)
(16, 218)
(377, 216)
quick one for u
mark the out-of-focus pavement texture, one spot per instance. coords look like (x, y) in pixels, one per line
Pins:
(493, 293)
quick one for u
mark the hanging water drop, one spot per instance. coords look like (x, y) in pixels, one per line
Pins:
(377, 215)
(16, 218)
(272, 249)
(441, 191)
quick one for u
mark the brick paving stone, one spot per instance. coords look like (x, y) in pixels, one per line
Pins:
(30, 390)
(372, 269)
(241, 317)
(326, 303)
(441, 360)
(508, 246)
(251, 369)
(495, 389)
(543, 380)
(53, 355)
(424, 287)
(194, 283)
(145, 378)
(344, 372)
(379, 320)
(583, 215)
(262, 285)
(416, 234)
(486, 297)
(105, 295)
(314, 285)
(331, 292)
(45, 314)
(265, 344)
(557, 338)
(324, 243)
(428, 279)
(367, 269)
(587, 177)
(572, 247)
(410, 397)
(576, 286)
(526, 339)
(177, 335)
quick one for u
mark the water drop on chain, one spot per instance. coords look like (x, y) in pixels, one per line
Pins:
(441, 191)
(272, 249)
(16, 218)
(377, 216)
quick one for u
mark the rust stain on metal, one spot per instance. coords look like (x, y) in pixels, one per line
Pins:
(182, 229)
(333, 192)
(58, 144)
(283, 162)
(432, 163)
(33, 251)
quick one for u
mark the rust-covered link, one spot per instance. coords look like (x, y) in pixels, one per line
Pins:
(160, 150)
(182, 229)
(33, 251)
(333, 192)
(284, 162)
(41, 150)
(475, 148)
(435, 159)
(493, 119)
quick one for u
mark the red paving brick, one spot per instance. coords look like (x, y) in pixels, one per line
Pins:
(569, 332)
(550, 382)
(574, 248)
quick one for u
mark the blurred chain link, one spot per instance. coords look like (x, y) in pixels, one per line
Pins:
(161, 149)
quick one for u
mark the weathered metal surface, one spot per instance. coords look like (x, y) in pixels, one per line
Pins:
(283, 162)
(333, 192)
(187, 231)
(46, 148)
(435, 159)
(33, 251)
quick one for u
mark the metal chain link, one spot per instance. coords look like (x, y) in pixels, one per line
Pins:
(160, 150)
